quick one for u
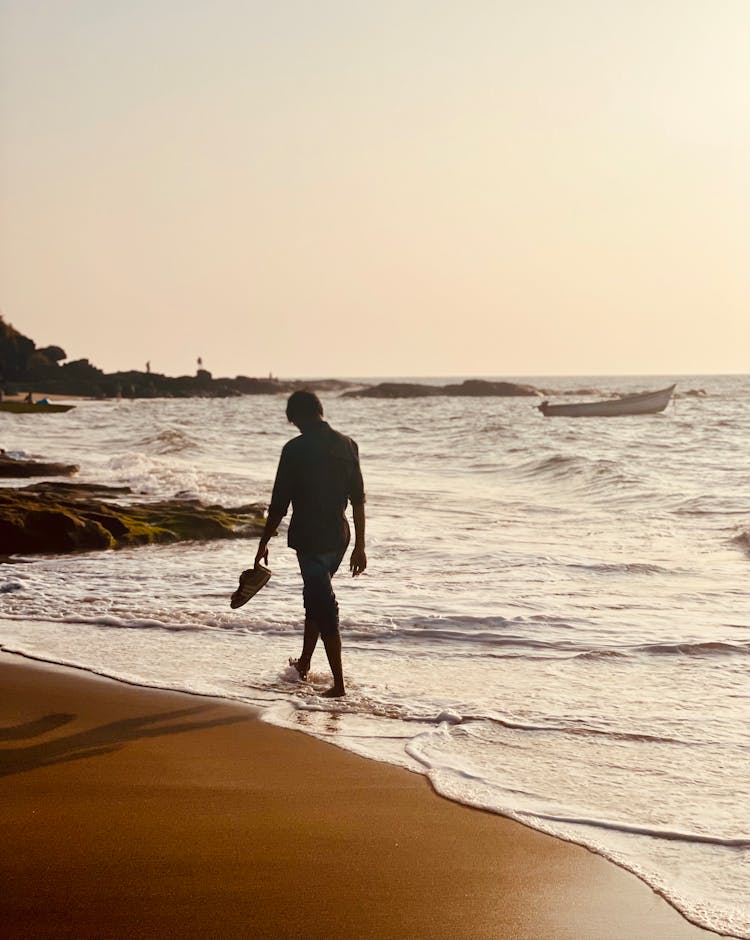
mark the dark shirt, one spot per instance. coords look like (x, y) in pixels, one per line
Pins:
(318, 474)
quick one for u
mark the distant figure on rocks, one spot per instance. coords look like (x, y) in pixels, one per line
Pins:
(148, 368)
(318, 474)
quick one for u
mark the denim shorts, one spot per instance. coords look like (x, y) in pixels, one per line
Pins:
(321, 607)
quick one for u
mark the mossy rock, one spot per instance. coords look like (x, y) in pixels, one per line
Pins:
(56, 519)
(27, 529)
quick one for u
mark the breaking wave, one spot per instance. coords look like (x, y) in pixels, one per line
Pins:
(656, 832)
(695, 649)
(168, 441)
(623, 568)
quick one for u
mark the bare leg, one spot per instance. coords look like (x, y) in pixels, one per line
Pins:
(309, 642)
(332, 644)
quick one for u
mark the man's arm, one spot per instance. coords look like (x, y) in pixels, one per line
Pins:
(358, 561)
(272, 523)
(280, 499)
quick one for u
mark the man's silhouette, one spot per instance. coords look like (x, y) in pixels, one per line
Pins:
(318, 474)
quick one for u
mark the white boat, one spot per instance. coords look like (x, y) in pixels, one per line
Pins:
(645, 403)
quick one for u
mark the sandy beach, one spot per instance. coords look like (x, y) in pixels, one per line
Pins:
(130, 812)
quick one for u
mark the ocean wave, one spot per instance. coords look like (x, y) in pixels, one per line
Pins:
(365, 706)
(692, 393)
(558, 465)
(492, 634)
(109, 620)
(694, 649)
(487, 637)
(378, 633)
(514, 645)
(206, 624)
(656, 832)
(483, 637)
(471, 723)
(622, 568)
(602, 654)
(582, 731)
(711, 506)
(496, 427)
(168, 441)
(159, 475)
(581, 470)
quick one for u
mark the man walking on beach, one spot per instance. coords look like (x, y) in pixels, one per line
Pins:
(318, 474)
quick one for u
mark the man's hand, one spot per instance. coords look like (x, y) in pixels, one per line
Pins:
(358, 561)
(272, 524)
(262, 553)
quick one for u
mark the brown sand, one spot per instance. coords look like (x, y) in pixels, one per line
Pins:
(134, 813)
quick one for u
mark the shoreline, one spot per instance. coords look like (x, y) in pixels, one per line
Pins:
(143, 812)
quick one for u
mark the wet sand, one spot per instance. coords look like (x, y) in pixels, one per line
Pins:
(129, 812)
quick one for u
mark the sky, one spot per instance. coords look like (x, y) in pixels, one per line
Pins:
(378, 187)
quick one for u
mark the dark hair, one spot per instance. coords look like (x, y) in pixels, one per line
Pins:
(303, 406)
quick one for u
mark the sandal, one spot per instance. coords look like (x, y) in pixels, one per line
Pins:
(251, 581)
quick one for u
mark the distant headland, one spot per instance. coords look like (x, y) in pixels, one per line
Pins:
(26, 367)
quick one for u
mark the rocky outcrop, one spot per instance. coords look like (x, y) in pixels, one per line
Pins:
(478, 388)
(15, 352)
(470, 388)
(24, 368)
(69, 517)
(395, 390)
(18, 469)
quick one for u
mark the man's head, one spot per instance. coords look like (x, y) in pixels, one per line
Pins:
(303, 409)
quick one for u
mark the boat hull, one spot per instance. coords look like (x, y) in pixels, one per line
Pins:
(24, 408)
(647, 403)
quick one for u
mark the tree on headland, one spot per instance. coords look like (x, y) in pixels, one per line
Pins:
(15, 352)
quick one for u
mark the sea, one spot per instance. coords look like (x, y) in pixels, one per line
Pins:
(554, 624)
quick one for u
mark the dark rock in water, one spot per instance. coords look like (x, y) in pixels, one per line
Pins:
(58, 519)
(10, 587)
(480, 388)
(395, 390)
(38, 525)
(17, 469)
(469, 388)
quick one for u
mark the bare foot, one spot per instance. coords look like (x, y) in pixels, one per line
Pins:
(301, 666)
(336, 691)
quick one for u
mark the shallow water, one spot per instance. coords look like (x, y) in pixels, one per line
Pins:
(554, 623)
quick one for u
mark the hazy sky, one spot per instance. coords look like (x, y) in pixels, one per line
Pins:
(378, 187)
